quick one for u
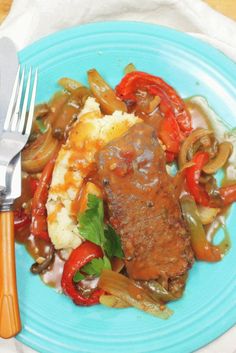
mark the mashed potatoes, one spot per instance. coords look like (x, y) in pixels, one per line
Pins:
(74, 162)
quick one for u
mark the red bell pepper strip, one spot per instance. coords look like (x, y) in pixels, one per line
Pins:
(192, 178)
(170, 104)
(79, 257)
(170, 135)
(21, 219)
(33, 183)
(170, 157)
(39, 213)
(228, 194)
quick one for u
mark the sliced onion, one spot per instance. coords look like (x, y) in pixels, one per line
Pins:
(157, 291)
(187, 165)
(129, 68)
(36, 154)
(128, 291)
(202, 248)
(153, 104)
(188, 143)
(112, 301)
(65, 118)
(64, 110)
(81, 94)
(69, 84)
(225, 150)
(40, 111)
(207, 214)
(104, 94)
(56, 105)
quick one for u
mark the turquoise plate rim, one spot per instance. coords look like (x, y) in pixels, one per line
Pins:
(204, 51)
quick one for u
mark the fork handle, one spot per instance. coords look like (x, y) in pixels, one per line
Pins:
(10, 323)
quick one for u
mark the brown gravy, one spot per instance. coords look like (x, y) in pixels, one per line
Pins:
(40, 248)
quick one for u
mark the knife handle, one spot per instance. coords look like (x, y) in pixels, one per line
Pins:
(10, 323)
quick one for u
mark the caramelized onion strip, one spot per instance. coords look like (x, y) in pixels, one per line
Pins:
(225, 150)
(128, 291)
(188, 143)
(104, 93)
(36, 154)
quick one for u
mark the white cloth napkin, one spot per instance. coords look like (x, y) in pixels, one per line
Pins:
(30, 20)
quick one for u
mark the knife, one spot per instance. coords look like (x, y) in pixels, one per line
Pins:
(8, 69)
(10, 323)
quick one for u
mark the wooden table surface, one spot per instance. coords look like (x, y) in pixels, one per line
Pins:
(227, 7)
(4, 8)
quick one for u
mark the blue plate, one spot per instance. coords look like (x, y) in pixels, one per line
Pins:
(51, 323)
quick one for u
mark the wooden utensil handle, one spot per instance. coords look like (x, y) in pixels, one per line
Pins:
(10, 323)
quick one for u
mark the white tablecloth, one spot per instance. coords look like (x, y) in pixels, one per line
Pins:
(30, 20)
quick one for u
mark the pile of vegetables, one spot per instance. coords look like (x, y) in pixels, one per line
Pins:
(204, 200)
(94, 272)
(93, 259)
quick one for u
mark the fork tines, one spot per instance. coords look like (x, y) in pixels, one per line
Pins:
(17, 119)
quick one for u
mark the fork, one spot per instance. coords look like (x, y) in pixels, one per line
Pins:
(15, 134)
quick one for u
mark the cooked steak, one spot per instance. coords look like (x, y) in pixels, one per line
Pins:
(143, 208)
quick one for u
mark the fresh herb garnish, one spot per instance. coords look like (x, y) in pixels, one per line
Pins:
(113, 243)
(92, 228)
(78, 277)
(91, 222)
(93, 268)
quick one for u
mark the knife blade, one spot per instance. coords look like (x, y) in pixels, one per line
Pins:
(8, 68)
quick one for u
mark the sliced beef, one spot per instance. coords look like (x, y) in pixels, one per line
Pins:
(143, 208)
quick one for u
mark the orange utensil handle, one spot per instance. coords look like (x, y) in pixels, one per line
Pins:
(10, 323)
